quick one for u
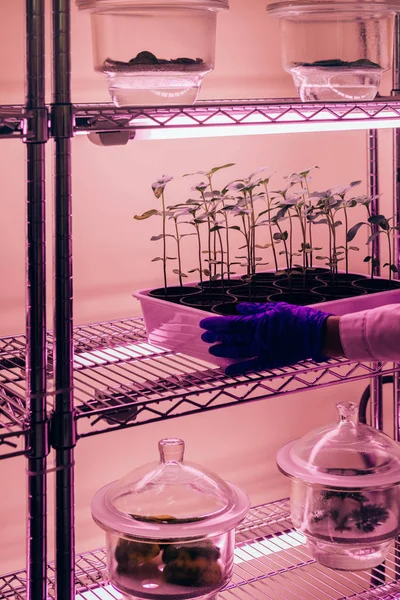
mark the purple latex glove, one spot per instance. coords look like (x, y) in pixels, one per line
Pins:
(266, 336)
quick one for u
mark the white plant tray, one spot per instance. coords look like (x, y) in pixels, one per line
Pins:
(176, 327)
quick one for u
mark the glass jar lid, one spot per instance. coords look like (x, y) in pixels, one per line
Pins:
(101, 5)
(298, 8)
(346, 455)
(170, 498)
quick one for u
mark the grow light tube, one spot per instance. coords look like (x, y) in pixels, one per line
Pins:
(191, 131)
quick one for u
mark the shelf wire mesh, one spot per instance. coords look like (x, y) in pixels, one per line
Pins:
(15, 120)
(272, 562)
(276, 112)
(120, 380)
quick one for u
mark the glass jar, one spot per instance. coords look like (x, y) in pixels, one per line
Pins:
(336, 51)
(154, 51)
(345, 495)
(170, 528)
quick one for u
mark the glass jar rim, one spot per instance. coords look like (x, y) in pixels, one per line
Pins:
(112, 520)
(295, 8)
(103, 5)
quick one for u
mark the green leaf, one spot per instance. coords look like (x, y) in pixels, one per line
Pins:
(207, 272)
(155, 238)
(193, 270)
(215, 169)
(372, 237)
(157, 259)
(375, 219)
(352, 232)
(393, 268)
(367, 258)
(354, 248)
(235, 227)
(171, 258)
(147, 214)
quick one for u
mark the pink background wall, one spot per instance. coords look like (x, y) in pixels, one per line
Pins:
(112, 252)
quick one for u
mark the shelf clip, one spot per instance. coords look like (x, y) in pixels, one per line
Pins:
(62, 121)
(37, 439)
(36, 126)
(63, 431)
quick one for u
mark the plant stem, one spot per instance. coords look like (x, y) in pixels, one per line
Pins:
(199, 251)
(333, 252)
(303, 231)
(371, 228)
(285, 246)
(246, 235)
(208, 234)
(346, 251)
(178, 245)
(228, 258)
(310, 223)
(222, 257)
(290, 238)
(390, 255)
(253, 232)
(164, 218)
(271, 235)
(249, 235)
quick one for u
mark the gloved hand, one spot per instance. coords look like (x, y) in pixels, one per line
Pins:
(266, 336)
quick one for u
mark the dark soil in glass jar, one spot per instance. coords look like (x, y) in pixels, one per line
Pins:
(147, 61)
(334, 63)
(178, 572)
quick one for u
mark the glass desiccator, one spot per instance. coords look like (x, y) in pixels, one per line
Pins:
(170, 528)
(345, 491)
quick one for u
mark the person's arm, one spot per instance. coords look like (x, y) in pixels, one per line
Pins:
(274, 335)
(367, 335)
(332, 344)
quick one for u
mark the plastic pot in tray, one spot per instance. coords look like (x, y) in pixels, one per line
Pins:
(153, 51)
(170, 528)
(345, 491)
(336, 50)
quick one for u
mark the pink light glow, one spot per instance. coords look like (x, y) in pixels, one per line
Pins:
(190, 132)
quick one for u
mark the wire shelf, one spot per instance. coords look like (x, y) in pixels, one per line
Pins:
(271, 563)
(121, 381)
(11, 121)
(277, 114)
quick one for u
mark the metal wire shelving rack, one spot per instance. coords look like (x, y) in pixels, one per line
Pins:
(59, 386)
